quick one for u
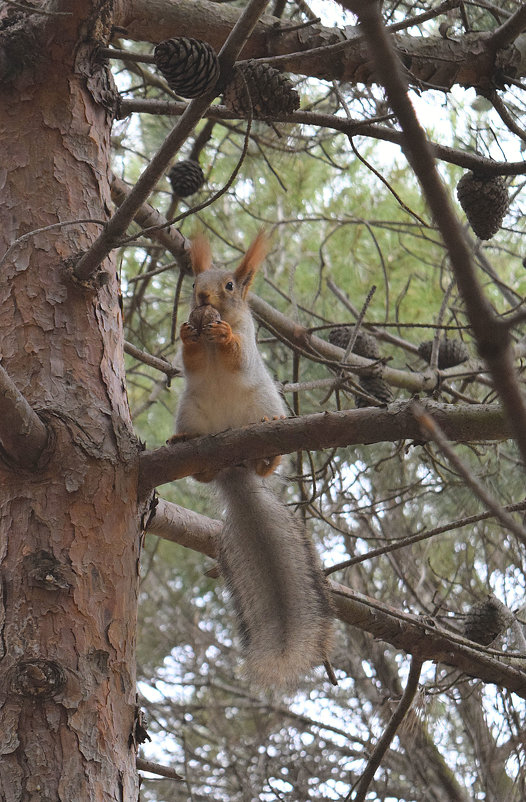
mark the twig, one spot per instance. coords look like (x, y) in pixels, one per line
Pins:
(502, 110)
(157, 768)
(432, 431)
(408, 541)
(23, 435)
(126, 55)
(293, 60)
(396, 719)
(149, 359)
(35, 231)
(120, 221)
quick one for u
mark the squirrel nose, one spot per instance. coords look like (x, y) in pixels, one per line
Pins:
(203, 297)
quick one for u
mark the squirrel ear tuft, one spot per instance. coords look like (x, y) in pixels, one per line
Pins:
(251, 261)
(200, 254)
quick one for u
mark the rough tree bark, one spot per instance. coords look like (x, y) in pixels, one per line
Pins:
(69, 523)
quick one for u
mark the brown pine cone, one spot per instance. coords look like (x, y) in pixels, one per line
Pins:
(487, 620)
(485, 202)
(186, 177)
(190, 67)
(261, 88)
(450, 352)
(375, 386)
(364, 344)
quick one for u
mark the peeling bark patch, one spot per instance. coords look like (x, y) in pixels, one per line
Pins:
(38, 679)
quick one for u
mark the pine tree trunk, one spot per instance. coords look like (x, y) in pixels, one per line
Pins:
(69, 537)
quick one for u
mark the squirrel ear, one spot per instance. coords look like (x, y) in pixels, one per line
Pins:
(251, 261)
(200, 254)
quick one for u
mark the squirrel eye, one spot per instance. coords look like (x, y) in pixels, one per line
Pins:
(229, 285)
(193, 286)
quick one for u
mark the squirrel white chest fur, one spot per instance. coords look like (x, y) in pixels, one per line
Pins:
(215, 399)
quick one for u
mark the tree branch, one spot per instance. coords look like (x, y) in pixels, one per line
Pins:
(389, 733)
(461, 423)
(319, 51)
(469, 161)
(23, 436)
(188, 528)
(424, 639)
(508, 32)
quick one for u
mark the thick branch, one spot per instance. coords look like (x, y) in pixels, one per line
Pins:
(461, 423)
(431, 62)
(188, 528)
(23, 436)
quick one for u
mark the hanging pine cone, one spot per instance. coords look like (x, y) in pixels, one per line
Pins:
(450, 352)
(261, 88)
(186, 177)
(375, 386)
(189, 66)
(485, 202)
(487, 620)
(364, 344)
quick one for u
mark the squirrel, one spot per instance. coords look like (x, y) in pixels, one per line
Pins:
(272, 571)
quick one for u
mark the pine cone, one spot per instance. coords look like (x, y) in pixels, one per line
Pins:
(450, 352)
(485, 202)
(186, 177)
(261, 88)
(364, 344)
(189, 66)
(375, 386)
(487, 620)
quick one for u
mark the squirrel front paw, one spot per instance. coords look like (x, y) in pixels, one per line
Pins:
(218, 332)
(188, 333)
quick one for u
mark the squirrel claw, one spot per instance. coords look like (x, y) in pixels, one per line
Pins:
(219, 331)
(188, 333)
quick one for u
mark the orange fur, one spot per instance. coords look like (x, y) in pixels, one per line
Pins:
(251, 261)
(200, 254)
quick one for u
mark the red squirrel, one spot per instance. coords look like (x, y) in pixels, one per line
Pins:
(271, 568)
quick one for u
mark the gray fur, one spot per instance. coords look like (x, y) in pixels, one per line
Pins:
(275, 579)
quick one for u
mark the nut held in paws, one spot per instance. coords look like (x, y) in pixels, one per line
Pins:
(202, 316)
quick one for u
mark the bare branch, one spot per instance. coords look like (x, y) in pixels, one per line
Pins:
(462, 423)
(425, 639)
(432, 431)
(188, 528)
(508, 32)
(421, 637)
(389, 733)
(470, 161)
(159, 769)
(152, 361)
(23, 436)
(326, 53)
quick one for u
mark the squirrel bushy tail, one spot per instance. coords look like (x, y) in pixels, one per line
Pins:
(274, 576)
